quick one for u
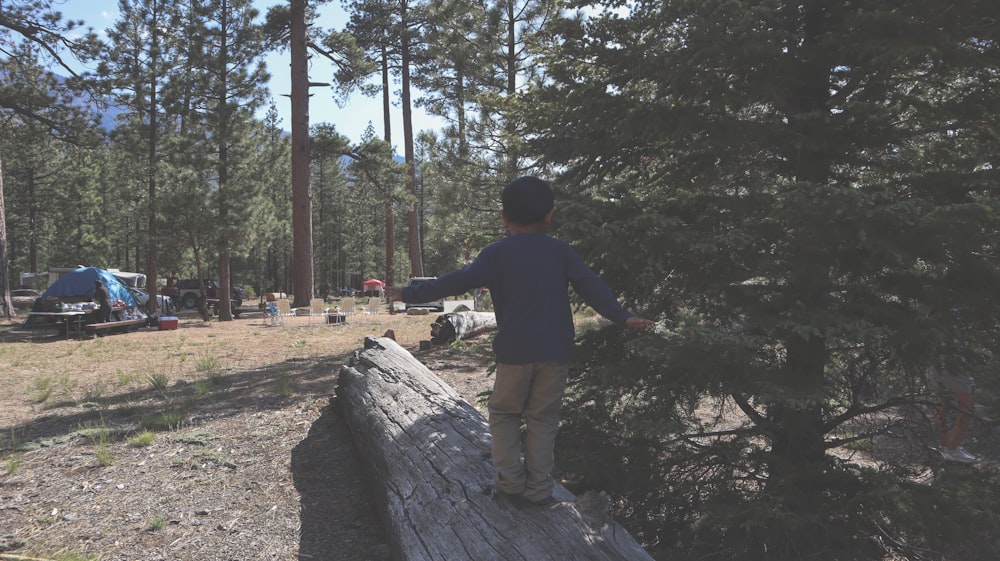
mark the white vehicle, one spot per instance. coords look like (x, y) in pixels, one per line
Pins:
(134, 280)
(164, 303)
(435, 304)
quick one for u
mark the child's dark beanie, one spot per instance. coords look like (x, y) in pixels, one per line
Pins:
(526, 200)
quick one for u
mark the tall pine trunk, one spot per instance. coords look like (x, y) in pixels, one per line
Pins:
(798, 446)
(390, 225)
(225, 131)
(509, 125)
(301, 188)
(6, 306)
(151, 250)
(412, 219)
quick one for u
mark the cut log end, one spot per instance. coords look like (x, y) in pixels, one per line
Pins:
(461, 326)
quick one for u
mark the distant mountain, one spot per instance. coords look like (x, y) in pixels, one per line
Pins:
(108, 115)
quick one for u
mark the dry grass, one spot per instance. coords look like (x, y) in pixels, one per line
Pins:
(43, 369)
(248, 456)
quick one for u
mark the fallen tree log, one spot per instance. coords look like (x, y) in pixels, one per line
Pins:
(428, 451)
(462, 325)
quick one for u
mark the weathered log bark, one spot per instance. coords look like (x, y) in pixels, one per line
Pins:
(462, 325)
(429, 456)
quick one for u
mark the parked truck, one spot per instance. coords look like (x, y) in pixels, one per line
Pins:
(187, 292)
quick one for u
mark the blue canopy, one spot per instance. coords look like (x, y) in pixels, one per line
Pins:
(79, 284)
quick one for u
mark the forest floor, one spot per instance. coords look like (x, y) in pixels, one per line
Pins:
(215, 441)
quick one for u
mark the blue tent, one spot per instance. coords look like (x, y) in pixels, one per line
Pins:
(79, 285)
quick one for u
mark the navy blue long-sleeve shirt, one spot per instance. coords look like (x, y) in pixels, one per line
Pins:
(528, 276)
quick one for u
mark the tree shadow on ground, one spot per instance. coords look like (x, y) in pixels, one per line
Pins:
(338, 519)
(217, 396)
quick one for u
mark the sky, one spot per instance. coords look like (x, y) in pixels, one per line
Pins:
(351, 120)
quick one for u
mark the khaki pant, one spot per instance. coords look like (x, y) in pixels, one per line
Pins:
(533, 392)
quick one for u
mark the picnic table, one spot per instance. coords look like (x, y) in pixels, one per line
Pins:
(121, 325)
(59, 319)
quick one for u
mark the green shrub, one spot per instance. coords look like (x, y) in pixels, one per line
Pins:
(141, 440)
(157, 381)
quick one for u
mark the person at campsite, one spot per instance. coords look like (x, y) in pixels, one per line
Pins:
(948, 375)
(103, 298)
(955, 400)
(527, 274)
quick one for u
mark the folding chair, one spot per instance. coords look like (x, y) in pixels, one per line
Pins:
(317, 307)
(284, 308)
(271, 315)
(374, 305)
(347, 306)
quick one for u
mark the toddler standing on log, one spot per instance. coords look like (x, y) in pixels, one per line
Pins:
(528, 274)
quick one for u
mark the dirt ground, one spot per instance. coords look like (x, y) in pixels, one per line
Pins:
(215, 441)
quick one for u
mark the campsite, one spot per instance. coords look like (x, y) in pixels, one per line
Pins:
(69, 305)
(247, 457)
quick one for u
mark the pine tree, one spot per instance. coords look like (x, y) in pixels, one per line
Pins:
(271, 217)
(231, 75)
(329, 212)
(137, 70)
(6, 306)
(477, 66)
(40, 163)
(391, 36)
(32, 27)
(797, 190)
(35, 28)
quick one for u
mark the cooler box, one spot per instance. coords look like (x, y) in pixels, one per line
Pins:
(168, 323)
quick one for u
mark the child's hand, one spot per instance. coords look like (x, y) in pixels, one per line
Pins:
(638, 323)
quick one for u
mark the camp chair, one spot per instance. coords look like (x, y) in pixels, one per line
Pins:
(374, 305)
(317, 307)
(271, 315)
(284, 307)
(347, 306)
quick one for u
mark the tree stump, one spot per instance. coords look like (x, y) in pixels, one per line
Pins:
(462, 325)
(428, 451)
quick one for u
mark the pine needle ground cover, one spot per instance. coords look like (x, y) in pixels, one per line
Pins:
(219, 440)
